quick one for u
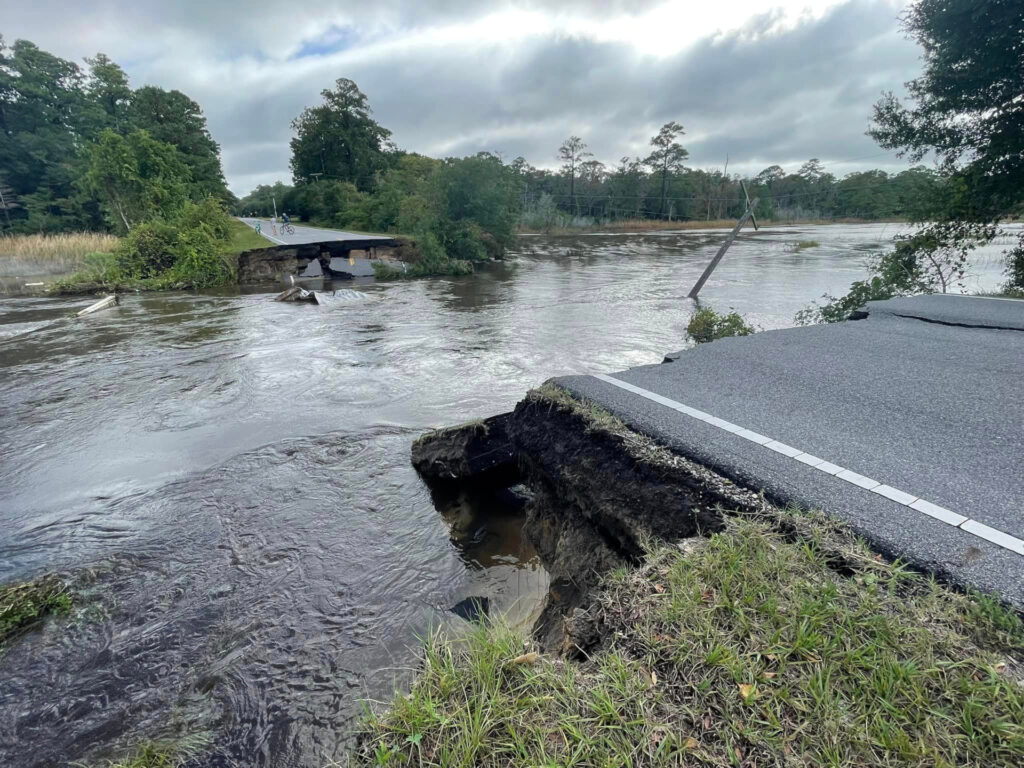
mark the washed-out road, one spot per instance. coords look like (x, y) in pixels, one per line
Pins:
(305, 234)
(908, 424)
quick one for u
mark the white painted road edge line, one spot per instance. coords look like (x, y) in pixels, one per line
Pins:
(262, 233)
(904, 499)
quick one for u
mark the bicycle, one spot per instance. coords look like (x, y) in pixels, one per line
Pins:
(287, 229)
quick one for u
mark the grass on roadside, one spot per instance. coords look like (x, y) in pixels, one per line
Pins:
(25, 603)
(30, 255)
(750, 647)
(243, 238)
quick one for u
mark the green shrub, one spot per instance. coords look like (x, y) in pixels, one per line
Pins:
(383, 271)
(148, 250)
(198, 262)
(208, 215)
(707, 325)
(465, 240)
(897, 273)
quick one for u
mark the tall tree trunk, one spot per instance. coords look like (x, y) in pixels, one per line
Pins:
(573, 204)
(664, 187)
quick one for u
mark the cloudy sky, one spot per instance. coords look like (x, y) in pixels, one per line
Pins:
(760, 82)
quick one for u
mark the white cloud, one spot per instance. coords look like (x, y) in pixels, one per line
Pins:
(764, 83)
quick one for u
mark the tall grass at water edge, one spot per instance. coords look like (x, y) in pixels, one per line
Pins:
(25, 255)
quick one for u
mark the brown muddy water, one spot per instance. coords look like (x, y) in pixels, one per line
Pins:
(228, 478)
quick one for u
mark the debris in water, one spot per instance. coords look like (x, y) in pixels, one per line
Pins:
(104, 303)
(343, 296)
(295, 293)
(472, 608)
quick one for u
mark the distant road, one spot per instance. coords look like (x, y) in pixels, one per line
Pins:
(306, 234)
(908, 424)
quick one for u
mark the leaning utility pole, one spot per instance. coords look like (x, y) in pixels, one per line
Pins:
(748, 214)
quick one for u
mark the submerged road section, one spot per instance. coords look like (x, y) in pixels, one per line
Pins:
(908, 424)
(305, 234)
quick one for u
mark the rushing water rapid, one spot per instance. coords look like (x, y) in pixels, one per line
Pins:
(227, 479)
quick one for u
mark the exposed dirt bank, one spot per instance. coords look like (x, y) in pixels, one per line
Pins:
(600, 493)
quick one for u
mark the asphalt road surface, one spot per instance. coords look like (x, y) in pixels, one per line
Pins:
(908, 424)
(305, 234)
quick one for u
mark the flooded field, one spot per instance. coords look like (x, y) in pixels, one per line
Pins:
(228, 480)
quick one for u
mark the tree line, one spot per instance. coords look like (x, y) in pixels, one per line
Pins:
(661, 186)
(348, 173)
(81, 150)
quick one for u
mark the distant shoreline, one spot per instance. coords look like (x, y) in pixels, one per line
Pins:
(654, 225)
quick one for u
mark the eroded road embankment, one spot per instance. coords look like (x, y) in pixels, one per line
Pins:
(598, 492)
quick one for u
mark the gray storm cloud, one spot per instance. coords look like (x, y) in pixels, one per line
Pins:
(758, 94)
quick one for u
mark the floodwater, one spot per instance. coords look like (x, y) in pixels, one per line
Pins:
(228, 480)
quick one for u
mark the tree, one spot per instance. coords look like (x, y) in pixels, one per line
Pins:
(173, 118)
(668, 155)
(260, 201)
(770, 176)
(483, 190)
(41, 105)
(627, 186)
(108, 90)
(339, 139)
(967, 108)
(8, 201)
(136, 177)
(51, 111)
(571, 153)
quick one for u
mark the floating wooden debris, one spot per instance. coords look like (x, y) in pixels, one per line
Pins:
(105, 303)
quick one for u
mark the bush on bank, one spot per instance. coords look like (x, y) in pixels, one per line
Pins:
(707, 325)
(187, 251)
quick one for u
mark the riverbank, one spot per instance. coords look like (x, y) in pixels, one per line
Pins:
(661, 225)
(690, 620)
(84, 263)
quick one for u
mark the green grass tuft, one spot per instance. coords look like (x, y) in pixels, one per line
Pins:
(805, 244)
(772, 643)
(25, 603)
